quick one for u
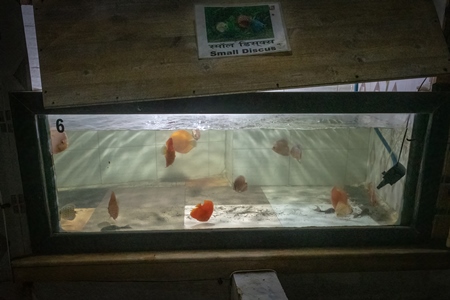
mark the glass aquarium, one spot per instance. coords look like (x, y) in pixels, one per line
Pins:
(155, 172)
(262, 170)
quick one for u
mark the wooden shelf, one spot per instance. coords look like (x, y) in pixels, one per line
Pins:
(113, 51)
(201, 265)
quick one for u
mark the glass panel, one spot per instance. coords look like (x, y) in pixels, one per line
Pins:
(152, 172)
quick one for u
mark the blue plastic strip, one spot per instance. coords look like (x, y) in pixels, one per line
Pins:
(386, 145)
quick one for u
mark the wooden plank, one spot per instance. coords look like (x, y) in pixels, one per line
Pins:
(202, 265)
(173, 290)
(102, 52)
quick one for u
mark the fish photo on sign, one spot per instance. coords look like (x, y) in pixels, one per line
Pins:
(240, 29)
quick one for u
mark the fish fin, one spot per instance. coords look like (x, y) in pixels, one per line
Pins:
(193, 143)
(163, 150)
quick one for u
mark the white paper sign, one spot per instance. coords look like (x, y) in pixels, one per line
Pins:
(236, 30)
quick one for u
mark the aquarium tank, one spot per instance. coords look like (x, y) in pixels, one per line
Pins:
(233, 171)
(263, 170)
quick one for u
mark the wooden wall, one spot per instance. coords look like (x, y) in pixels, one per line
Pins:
(413, 285)
(108, 51)
(14, 76)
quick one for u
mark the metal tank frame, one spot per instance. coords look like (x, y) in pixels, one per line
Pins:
(426, 157)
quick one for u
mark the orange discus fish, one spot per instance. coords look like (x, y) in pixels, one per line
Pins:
(343, 209)
(202, 212)
(183, 142)
(60, 142)
(113, 207)
(170, 152)
(338, 195)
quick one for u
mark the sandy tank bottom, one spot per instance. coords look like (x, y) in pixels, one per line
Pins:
(167, 206)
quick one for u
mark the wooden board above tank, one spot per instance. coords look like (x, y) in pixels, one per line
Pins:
(94, 52)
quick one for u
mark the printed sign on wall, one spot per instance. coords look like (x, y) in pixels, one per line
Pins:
(236, 30)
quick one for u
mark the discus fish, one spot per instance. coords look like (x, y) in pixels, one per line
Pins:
(60, 141)
(202, 212)
(183, 142)
(221, 27)
(281, 147)
(67, 212)
(256, 25)
(243, 21)
(169, 152)
(240, 185)
(343, 209)
(113, 207)
(296, 152)
(338, 195)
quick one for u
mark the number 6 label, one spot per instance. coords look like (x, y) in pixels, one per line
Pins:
(59, 125)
